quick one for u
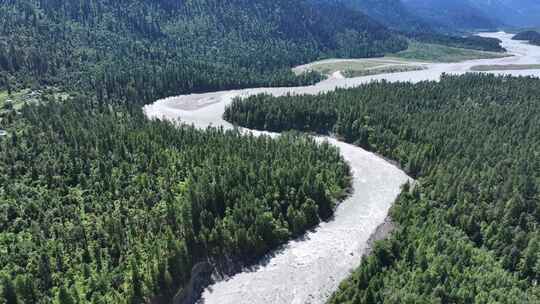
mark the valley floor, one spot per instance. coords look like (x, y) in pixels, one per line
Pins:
(418, 56)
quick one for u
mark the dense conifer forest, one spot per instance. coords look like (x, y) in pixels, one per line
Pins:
(140, 50)
(101, 205)
(469, 228)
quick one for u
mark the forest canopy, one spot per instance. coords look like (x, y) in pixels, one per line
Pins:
(527, 35)
(101, 205)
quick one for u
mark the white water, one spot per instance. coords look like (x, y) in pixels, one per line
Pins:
(308, 270)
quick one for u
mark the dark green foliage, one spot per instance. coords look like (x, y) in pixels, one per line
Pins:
(398, 16)
(142, 50)
(468, 42)
(64, 297)
(453, 16)
(392, 13)
(527, 35)
(100, 205)
(532, 36)
(8, 292)
(470, 229)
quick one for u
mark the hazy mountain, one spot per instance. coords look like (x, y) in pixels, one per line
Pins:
(452, 15)
(527, 35)
(449, 15)
(476, 14)
(392, 13)
(520, 13)
(419, 20)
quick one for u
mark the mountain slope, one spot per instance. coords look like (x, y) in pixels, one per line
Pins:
(527, 35)
(413, 23)
(448, 16)
(392, 13)
(453, 15)
(476, 14)
(517, 13)
(170, 47)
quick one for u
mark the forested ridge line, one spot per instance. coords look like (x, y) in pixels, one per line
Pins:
(139, 51)
(468, 232)
(101, 205)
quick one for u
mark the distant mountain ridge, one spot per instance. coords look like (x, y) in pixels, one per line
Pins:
(516, 13)
(455, 15)
(532, 37)
(421, 24)
(392, 13)
(448, 16)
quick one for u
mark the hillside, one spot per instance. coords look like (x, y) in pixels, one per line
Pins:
(409, 22)
(392, 13)
(526, 35)
(532, 37)
(425, 16)
(515, 13)
(476, 14)
(142, 49)
(449, 16)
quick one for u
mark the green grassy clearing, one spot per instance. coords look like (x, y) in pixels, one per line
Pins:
(382, 70)
(11, 103)
(441, 53)
(330, 66)
(16, 100)
(359, 67)
(508, 67)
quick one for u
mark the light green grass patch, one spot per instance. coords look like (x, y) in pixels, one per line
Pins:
(382, 70)
(359, 67)
(507, 67)
(441, 53)
(16, 100)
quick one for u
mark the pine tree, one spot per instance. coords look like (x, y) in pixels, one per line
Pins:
(64, 297)
(8, 291)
